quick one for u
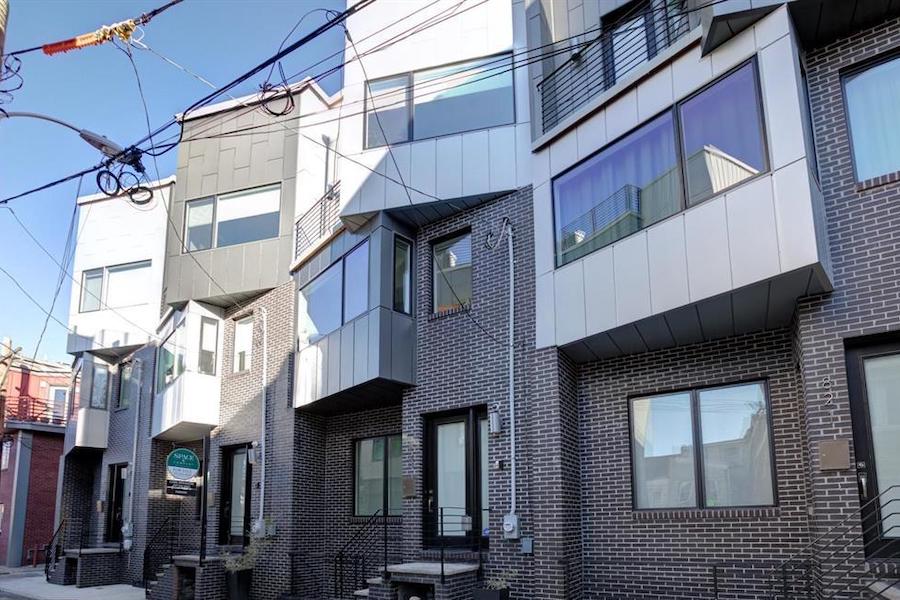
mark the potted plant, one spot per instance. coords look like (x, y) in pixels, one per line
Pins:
(239, 569)
(494, 588)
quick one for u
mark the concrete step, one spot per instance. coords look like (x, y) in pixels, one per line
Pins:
(374, 581)
(361, 593)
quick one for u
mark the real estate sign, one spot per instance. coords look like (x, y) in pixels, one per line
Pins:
(182, 464)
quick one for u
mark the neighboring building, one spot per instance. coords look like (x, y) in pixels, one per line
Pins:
(35, 397)
(597, 299)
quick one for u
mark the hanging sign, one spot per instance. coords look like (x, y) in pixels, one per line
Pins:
(182, 464)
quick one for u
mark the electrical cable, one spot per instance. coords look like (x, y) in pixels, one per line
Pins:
(68, 249)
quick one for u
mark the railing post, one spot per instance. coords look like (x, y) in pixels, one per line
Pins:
(384, 574)
(441, 529)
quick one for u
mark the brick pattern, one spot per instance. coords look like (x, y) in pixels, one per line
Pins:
(100, 569)
(863, 223)
(671, 554)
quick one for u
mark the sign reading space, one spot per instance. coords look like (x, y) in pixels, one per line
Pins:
(182, 464)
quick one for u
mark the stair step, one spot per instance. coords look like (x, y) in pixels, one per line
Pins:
(361, 593)
(886, 589)
(374, 581)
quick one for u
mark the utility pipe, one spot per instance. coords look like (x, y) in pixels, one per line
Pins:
(261, 524)
(136, 365)
(512, 353)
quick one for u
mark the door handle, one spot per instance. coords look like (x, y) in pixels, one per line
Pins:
(863, 483)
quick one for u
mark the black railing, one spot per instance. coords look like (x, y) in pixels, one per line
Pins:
(365, 554)
(53, 550)
(319, 221)
(608, 55)
(840, 561)
(158, 552)
(452, 533)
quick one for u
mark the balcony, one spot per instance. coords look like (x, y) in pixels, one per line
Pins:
(28, 412)
(187, 390)
(319, 222)
(606, 57)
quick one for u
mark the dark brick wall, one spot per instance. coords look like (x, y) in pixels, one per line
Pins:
(462, 363)
(864, 233)
(42, 481)
(670, 553)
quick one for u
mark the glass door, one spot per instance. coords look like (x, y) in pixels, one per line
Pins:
(116, 503)
(874, 378)
(456, 497)
(235, 522)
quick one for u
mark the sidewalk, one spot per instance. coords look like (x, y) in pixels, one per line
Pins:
(29, 584)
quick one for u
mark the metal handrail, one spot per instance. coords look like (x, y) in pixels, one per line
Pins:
(317, 222)
(150, 565)
(355, 552)
(31, 409)
(52, 550)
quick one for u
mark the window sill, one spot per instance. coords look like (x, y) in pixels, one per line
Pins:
(706, 514)
(450, 312)
(879, 181)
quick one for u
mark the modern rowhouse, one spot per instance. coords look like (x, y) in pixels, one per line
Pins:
(714, 251)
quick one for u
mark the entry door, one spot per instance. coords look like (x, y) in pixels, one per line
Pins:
(115, 503)
(874, 379)
(235, 523)
(456, 478)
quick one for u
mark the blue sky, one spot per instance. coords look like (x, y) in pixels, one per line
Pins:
(94, 88)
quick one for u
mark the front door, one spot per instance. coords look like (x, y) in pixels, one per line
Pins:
(874, 379)
(235, 522)
(456, 511)
(116, 503)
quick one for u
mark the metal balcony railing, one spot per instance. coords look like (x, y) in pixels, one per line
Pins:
(29, 409)
(320, 220)
(607, 55)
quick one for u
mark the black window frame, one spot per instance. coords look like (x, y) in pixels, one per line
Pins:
(409, 273)
(228, 455)
(459, 233)
(214, 224)
(410, 100)
(128, 366)
(697, 440)
(203, 320)
(845, 75)
(341, 260)
(673, 110)
(385, 499)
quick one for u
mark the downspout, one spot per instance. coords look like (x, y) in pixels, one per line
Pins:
(512, 395)
(128, 528)
(260, 525)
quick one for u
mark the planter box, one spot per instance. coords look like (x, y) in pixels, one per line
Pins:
(483, 594)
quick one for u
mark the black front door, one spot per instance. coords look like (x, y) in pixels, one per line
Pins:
(456, 479)
(874, 378)
(115, 503)
(234, 526)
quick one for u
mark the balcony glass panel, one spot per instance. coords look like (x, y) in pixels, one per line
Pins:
(722, 135)
(627, 186)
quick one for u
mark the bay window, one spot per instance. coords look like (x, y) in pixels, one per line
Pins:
(402, 276)
(170, 358)
(230, 219)
(465, 96)
(378, 476)
(702, 448)
(209, 340)
(701, 147)
(872, 96)
(336, 296)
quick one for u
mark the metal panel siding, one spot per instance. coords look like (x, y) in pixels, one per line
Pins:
(360, 349)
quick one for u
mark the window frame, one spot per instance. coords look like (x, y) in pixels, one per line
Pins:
(204, 320)
(341, 261)
(129, 364)
(214, 224)
(398, 238)
(846, 75)
(673, 110)
(234, 349)
(410, 99)
(158, 389)
(99, 298)
(102, 303)
(61, 416)
(467, 231)
(385, 475)
(697, 439)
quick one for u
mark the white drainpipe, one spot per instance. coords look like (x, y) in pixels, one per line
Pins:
(511, 521)
(260, 525)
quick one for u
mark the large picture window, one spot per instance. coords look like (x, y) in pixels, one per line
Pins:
(703, 448)
(471, 95)
(378, 478)
(117, 286)
(230, 219)
(703, 146)
(872, 97)
(336, 296)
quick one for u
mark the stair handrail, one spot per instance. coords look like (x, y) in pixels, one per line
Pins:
(853, 514)
(51, 550)
(365, 537)
(152, 543)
